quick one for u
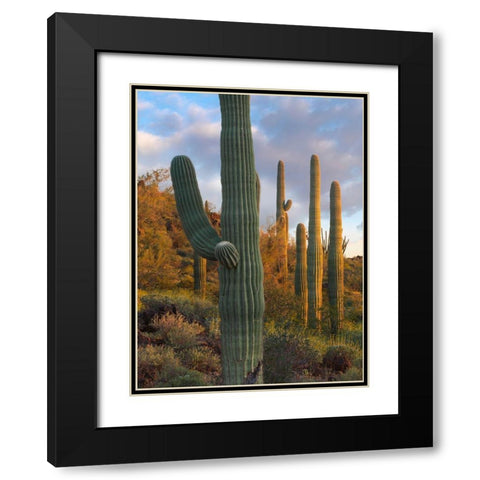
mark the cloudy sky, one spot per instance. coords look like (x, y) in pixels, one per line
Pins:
(288, 128)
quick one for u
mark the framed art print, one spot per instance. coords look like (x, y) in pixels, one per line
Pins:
(239, 239)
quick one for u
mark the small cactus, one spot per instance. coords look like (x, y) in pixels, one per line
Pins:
(301, 272)
(200, 270)
(282, 222)
(314, 250)
(335, 259)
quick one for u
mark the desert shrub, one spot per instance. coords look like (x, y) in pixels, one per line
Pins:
(160, 366)
(193, 308)
(353, 273)
(156, 364)
(147, 375)
(281, 305)
(202, 359)
(161, 357)
(350, 338)
(351, 374)
(338, 358)
(354, 306)
(290, 357)
(173, 352)
(140, 294)
(189, 378)
(212, 337)
(174, 330)
(358, 362)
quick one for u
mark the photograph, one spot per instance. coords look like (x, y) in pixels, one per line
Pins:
(248, 239)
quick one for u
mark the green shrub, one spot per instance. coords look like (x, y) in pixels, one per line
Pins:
(156, 364)
(282, 305)
(351, 374)
(338, 358)
(354, 306)
(289, 357)
(202, 359)
(172, 329)
(193, 308)
(190, 378)
(212, 337)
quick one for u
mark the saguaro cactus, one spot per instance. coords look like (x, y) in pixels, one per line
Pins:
(241, 302)
(199, 275)
(314, 250)
(200, 270)
(301, 272)
(282, 221)
(335, 259)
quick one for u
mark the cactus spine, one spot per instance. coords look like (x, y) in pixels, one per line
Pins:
(314, 250)
(241, 302)
(282, 221)
(335, 259)
(301, 290)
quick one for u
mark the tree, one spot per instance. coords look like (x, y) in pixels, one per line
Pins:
(162, 249)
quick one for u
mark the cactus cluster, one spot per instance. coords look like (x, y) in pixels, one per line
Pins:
(321, 244)
(241, 301)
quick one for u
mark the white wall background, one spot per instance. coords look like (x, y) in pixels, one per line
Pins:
(23, 239)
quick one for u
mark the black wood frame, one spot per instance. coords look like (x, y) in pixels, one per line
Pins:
(73, 43)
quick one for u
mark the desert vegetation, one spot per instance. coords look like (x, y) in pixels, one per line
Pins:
(224, 301)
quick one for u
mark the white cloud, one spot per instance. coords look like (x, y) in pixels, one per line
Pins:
(144, 105)
(148, 144)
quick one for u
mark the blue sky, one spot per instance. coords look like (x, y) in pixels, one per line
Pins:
(288, 128)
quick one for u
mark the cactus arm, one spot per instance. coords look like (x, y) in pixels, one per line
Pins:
(286, 205)
(196, 225)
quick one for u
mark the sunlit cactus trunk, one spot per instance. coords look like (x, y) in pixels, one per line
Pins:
(241, 302)
(314, 250)
(199, 275)
(335, 259)
(301, 290)
(282, 222)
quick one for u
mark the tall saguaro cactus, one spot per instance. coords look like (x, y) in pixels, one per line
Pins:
(314, 250)
(241, 302)
(335, 259)
(282, 221)
(301, 289)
